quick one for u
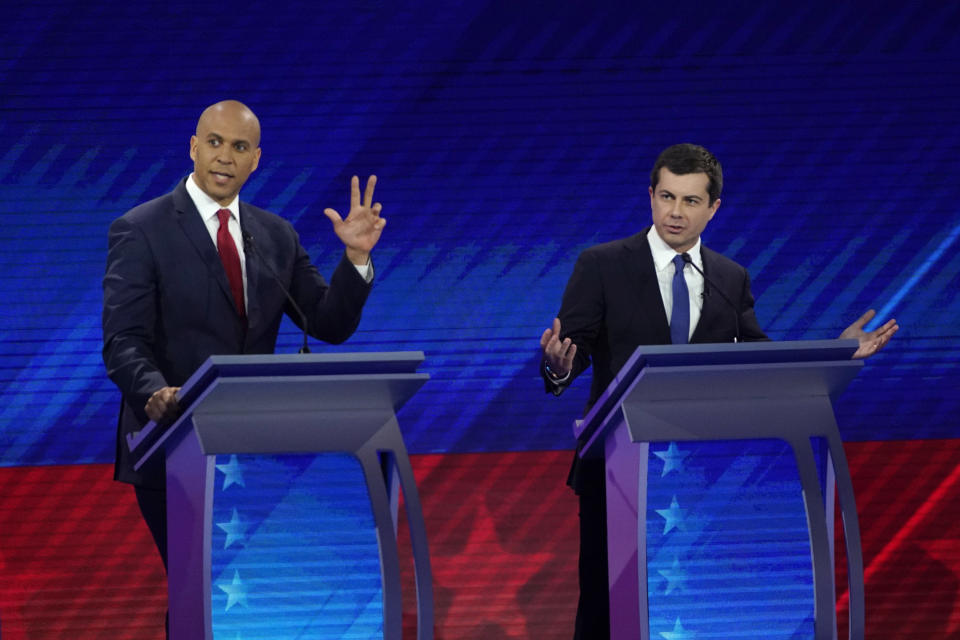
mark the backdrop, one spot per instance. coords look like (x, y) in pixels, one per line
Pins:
(507, 137)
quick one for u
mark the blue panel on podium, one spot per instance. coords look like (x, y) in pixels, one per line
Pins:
(294, 549)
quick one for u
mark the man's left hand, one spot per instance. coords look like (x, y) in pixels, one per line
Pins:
(361, 229)
(870, 341)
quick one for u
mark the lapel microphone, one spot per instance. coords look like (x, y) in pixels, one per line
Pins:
(736, 313)
(249, 244)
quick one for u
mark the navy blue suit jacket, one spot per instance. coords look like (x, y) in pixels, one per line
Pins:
(167, 303)
(612, 305)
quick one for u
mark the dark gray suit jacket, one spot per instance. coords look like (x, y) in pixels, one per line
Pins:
(612, 305)
(167, 303)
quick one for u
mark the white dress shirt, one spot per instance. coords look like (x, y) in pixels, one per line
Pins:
(663, 256)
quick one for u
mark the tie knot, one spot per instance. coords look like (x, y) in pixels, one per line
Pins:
(224, 216)
(679, 262)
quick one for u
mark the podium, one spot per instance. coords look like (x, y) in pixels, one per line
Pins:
(710, 392)
(288, 404)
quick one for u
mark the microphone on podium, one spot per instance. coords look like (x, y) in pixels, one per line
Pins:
(736, 313)
(248, 243)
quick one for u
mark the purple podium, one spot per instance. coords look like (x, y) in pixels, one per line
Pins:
(781, 390)
(287, 404)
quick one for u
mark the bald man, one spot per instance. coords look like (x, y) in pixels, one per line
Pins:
(194, 273)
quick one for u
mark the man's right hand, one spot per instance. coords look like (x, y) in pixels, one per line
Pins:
(163, 405)
(558, 354)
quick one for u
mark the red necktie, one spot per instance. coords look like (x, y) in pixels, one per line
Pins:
(231, 260)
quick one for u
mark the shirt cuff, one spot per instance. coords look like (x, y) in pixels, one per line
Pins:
(365, 271)
(553, 378)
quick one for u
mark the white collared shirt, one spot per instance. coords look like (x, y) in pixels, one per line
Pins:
(663, 255)
(208, 208)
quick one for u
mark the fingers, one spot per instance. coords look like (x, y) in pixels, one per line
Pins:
(554, 331)
(333, 215)
(568, 360)
(354, 192)
(163, 404)
(864, 319)
(558, 353)
(368, 193)
(545, 338)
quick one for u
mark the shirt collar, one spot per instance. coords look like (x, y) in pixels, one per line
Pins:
(206, 205)
(663, 254)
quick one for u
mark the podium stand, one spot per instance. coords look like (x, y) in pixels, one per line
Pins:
(283, 404)
(670, 393)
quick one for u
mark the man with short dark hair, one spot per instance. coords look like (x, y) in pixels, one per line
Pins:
(636, 291)
(194, 273)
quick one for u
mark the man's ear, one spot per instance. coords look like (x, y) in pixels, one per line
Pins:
(715, 206)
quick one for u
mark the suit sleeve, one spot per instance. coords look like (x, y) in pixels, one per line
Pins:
(581, 317)
(333, 310)
(129, 315)
(750, 330)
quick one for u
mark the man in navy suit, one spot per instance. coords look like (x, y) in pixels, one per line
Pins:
(621, 295)
(195, 273)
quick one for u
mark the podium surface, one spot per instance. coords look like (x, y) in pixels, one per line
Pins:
(714, 392)
(264, 416)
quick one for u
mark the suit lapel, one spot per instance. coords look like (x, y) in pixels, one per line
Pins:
(642, 276)
(196, 231)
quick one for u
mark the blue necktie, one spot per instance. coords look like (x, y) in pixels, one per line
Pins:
(680, 317)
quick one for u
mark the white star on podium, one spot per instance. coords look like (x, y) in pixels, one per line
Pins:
(673, 517)
(236, 591)
(231, 472)
(675, 576)
(235, 529)
(672, 458)
(678, 633)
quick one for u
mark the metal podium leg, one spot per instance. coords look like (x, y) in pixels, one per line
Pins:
(387, 543)
(851, 534)
(824, 622)
(418, 539)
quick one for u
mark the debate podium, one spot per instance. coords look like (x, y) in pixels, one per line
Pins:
(712, 392)
(287, 404)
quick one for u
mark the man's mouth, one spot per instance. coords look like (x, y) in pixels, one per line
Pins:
(221, 178)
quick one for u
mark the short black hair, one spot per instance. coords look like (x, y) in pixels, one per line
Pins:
(681, 159)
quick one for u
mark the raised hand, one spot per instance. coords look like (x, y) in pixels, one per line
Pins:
(870, 341)
(361, 229)
(557, 353)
